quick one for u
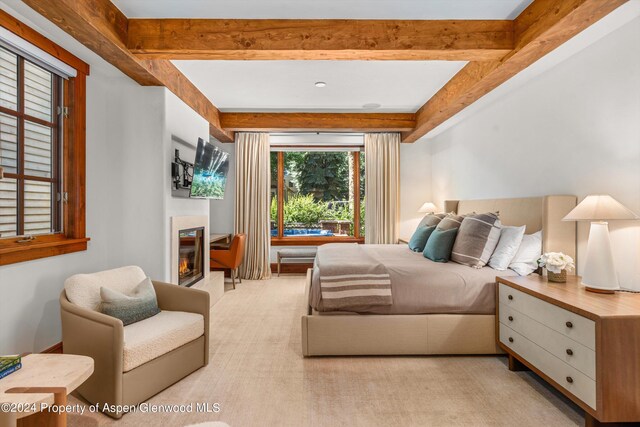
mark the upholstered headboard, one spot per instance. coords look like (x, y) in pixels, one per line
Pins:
(537, 213)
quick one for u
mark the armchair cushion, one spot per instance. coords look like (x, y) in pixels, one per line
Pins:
(158, 335)
(84, 289)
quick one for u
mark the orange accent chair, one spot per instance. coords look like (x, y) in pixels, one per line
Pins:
(229, 259)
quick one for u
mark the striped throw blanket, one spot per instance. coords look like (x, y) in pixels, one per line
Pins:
(351, 278)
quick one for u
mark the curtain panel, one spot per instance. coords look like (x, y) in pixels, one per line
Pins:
(382, 187)
(252, 203)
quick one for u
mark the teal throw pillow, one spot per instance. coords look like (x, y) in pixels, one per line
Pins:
(440, 244)
(420, 237)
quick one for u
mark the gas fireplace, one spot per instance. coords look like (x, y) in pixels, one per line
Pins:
(190, 256)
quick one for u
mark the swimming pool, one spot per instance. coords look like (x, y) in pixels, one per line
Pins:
(304, 232)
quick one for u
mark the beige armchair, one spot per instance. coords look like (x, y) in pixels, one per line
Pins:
(137, 361)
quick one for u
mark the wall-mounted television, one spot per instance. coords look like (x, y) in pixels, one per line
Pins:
(210, 170)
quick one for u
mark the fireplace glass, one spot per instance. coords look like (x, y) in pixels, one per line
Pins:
(191, 256)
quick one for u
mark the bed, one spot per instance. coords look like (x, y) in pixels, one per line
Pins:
(438, 308)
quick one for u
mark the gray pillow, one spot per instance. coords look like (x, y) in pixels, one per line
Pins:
(140, 304)
(450, 221)
(476, 240)
(431, 220)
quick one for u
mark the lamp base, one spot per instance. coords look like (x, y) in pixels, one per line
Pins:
(599, 291)
(599, 273)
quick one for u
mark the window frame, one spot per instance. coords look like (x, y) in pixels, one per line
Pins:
(21, 176)
(72, 237)
(282, 240)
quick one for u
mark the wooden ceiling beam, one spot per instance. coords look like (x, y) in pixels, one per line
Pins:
(100, 26)
(539, 29)
(343, 122)
(324, 39)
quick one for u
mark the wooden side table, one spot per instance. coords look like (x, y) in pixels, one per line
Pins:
(44, 380)
(586, 345)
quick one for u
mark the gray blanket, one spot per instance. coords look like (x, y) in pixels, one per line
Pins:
(350, 277)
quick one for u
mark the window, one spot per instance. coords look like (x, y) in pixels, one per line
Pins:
(30, 135)
(42, 146)
(316, 196)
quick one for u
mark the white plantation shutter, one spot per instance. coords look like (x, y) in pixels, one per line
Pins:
(8, 207)
(29, 199)
(37, 207)
(8, 79)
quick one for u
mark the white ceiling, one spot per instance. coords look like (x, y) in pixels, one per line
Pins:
(323, 9)
(399, 86)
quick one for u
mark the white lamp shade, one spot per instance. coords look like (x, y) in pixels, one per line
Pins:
(427, 207)
(599, 208)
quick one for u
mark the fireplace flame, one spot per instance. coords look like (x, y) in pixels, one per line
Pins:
(184, 267)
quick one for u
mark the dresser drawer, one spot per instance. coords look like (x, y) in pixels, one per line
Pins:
(572, 380)
(569, 324)
(561, 346)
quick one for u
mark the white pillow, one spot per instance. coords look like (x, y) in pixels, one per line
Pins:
(526, 260)
(510, 239)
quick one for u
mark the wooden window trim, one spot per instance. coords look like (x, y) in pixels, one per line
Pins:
(73, 237)
(282, 240)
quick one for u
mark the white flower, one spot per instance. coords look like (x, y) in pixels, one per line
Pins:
(556, 262)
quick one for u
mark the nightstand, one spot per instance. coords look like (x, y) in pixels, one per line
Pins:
(586, 345)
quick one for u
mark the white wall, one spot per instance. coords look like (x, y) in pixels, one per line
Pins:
(134, 184)
(415, 185)
(221, 212)
(181, 123)
(129, 131)
(572, 130)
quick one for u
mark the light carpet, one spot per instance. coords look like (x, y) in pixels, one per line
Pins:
(258, 377)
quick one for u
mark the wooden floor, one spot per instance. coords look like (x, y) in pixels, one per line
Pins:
(258, 376)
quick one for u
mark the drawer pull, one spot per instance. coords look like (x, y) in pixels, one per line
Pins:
(569, 325)
(510, 297)
(510, 339)
(510, 318)
(570, 352)
(569, 380)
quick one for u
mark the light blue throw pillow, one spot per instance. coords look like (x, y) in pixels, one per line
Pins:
(420, 237)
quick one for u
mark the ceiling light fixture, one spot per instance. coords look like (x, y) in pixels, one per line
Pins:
(320, 84)
(371, 106)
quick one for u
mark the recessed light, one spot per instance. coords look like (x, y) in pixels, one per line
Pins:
(371, 106)
(320, 84)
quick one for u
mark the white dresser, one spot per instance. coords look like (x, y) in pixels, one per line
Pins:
(586, 345)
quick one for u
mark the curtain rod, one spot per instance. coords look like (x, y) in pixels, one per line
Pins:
(317, 133)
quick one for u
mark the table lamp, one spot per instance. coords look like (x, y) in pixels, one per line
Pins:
(427, 207)
(599, 274)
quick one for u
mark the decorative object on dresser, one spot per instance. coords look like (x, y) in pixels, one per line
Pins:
(585, 344)
(599, 274)
(427, 207)
(557, 265)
